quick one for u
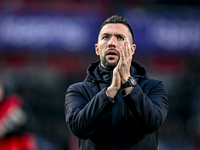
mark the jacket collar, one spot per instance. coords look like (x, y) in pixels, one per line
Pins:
(93, 73)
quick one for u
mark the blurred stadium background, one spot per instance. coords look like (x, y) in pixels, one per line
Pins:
(46, 45)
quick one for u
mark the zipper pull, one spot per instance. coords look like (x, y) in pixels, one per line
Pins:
(92, 84)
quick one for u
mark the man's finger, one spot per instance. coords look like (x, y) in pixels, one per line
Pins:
(122, 56)
(127, 48)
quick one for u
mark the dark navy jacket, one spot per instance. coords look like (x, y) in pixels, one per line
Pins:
(131, 122)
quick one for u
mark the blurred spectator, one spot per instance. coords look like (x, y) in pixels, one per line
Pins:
(14, 126)
(12, 120)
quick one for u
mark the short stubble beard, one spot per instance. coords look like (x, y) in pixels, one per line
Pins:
(107, 64)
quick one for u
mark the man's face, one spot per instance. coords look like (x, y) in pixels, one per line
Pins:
(111, 38)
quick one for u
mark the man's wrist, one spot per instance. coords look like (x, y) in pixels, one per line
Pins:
(128, 90)
(111, 92)
(130, 83)
(125, 79)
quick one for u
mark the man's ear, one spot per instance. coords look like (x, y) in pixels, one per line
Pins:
(96, 49)
(133, 47)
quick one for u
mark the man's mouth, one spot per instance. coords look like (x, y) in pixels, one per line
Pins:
(112, 53)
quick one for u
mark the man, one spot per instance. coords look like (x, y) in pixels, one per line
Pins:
(117, 107)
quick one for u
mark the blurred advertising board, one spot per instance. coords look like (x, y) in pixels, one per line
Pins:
(157, 29)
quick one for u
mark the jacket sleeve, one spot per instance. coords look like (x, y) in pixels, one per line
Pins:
(83, 115)
(149, 109)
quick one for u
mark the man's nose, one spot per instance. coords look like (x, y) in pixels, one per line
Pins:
(112, 42)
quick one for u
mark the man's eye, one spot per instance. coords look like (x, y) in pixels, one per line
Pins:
(120, 38)
(105, 37)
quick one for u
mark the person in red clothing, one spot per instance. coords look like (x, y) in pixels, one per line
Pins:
(12, 117)
(16, 132)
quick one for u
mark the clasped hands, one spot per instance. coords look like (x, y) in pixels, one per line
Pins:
(121, 72)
